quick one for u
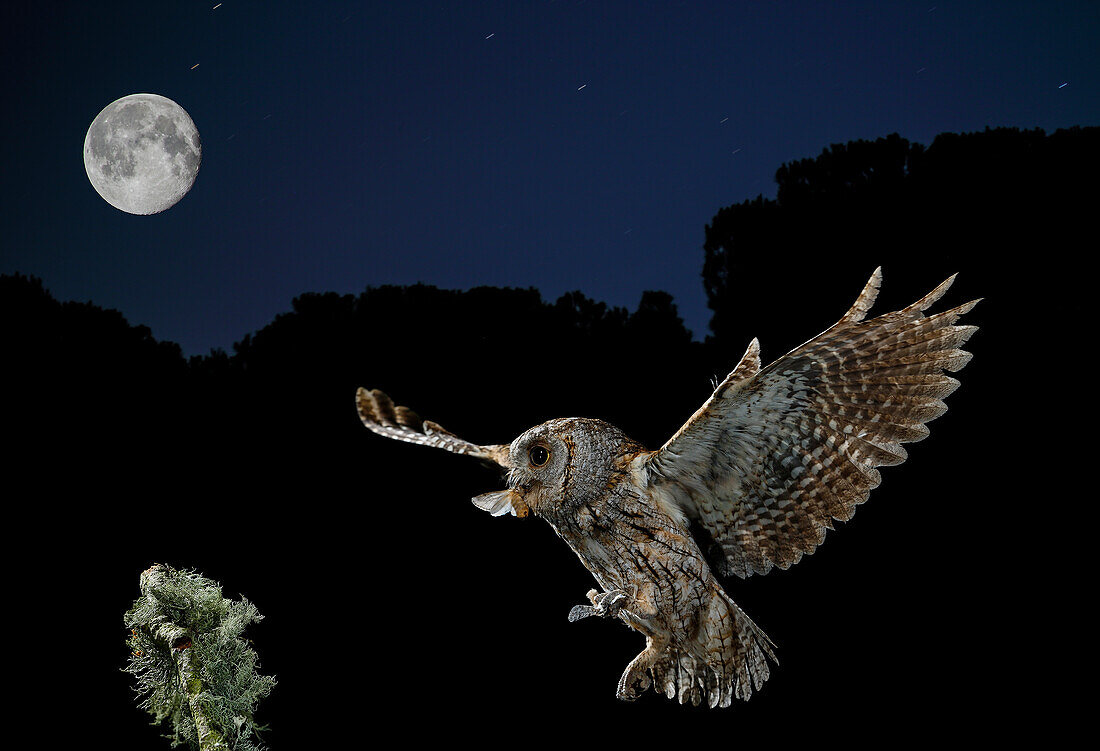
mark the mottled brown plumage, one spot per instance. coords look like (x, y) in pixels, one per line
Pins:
(764, 467)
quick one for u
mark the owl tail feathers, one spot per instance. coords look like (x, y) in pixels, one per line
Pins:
(751, 652)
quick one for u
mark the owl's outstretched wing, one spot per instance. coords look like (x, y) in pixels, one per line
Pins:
(378, 413)
(775, 455)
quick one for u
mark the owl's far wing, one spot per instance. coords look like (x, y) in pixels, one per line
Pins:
(775, 455)
(378, 413)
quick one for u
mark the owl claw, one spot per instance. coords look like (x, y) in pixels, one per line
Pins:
(604, 604)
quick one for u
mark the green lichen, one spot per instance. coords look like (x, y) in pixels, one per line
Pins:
(192, 665)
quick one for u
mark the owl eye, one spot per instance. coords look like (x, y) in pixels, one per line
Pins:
(539, 455)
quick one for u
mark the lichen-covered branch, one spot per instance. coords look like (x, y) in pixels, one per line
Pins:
(191, 664)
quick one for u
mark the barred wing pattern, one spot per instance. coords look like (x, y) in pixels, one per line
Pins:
(775, 455)
(378, 413)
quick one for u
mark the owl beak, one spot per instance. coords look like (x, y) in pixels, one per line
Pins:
(501, 503)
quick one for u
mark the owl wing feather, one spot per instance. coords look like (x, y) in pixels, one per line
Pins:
(775, 455)
(377, 411)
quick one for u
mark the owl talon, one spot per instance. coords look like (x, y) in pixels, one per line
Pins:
(608, 604)
(604, 604)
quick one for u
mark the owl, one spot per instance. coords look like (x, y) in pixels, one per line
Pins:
(751, 482)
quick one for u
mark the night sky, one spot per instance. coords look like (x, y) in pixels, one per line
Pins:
(561, 145)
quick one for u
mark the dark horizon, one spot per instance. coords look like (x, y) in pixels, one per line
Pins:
(560, 145)
(883, 164)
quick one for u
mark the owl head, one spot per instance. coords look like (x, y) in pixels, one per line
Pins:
(558, 465)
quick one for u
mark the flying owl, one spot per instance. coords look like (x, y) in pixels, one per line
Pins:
(751, 482)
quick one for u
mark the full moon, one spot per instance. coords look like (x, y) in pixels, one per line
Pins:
(142, 153)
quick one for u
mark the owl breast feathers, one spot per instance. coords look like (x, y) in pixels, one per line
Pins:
(762, 469)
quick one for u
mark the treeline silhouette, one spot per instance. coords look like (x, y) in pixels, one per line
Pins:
(1004, 206)
(995, 202)
(277, 416)
(253, 467)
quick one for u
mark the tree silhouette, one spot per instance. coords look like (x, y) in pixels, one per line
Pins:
(992, 199)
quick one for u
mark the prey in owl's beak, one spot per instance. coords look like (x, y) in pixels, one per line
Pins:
(508, 501)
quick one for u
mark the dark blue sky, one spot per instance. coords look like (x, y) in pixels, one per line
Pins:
(562, 145)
